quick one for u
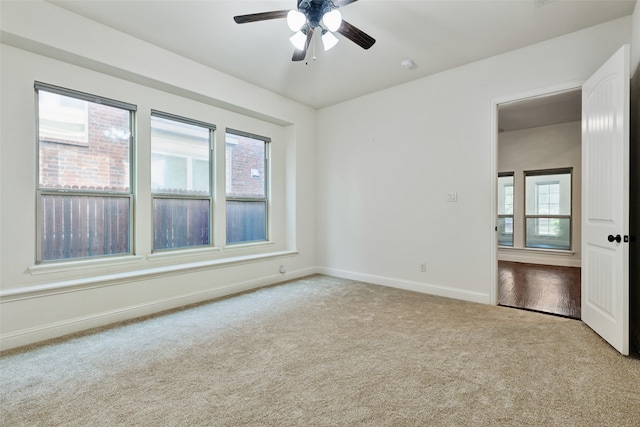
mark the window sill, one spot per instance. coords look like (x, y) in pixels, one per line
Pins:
(37, 291)
(243, 246)
(559, 252)
(85, 264)
(182, 253)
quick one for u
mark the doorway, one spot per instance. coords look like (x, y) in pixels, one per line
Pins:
(539, 203)
(604, 249)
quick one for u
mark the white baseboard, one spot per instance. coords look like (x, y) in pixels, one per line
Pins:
(69, 326)
(424, 288)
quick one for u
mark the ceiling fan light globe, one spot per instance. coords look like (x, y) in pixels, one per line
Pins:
(295, 20)
(332, 20)
(329, 40)
(298, 40)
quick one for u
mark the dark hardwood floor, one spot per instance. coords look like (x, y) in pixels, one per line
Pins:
(545, 288)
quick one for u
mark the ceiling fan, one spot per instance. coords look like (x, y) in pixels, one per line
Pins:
(309, 16)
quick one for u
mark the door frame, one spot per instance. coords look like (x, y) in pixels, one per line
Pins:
(495, 102)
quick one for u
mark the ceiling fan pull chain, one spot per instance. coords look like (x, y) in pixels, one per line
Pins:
(314, 50)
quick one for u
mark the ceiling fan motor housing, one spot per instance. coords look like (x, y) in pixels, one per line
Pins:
(314, 10)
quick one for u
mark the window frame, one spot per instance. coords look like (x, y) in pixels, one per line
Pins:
(512, 214)
(548, 217)
(73, 192)
(177, 196)
(267, 196)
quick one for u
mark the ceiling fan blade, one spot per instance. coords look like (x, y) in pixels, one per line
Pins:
(356, 35)
(299, 55)
(262, 16)
(341, 3)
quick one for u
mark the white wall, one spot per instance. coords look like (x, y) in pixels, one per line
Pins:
(41, 42)
(388, 160)
(547, 147)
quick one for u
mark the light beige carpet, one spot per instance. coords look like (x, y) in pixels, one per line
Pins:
(323, 351)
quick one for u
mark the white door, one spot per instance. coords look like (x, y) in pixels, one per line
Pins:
(605, 201)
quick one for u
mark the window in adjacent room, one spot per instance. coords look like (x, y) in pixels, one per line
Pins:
(84, 188)
(181, 181)
(246, 187)
(505, 209)
(548, 209)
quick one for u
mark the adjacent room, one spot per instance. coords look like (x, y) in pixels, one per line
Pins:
(539, 203)
(319, 212)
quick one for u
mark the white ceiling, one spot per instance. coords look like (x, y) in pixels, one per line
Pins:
(552, 109)
(436, 35)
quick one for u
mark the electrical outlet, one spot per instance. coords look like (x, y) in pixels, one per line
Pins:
(423, 267)
(452, 197)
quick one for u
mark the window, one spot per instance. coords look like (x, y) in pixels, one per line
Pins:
(505, 209)
(246, 187)
(548, 209)
(84, 175)
(181, 181)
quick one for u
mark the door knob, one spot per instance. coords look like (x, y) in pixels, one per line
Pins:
(616, 238)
